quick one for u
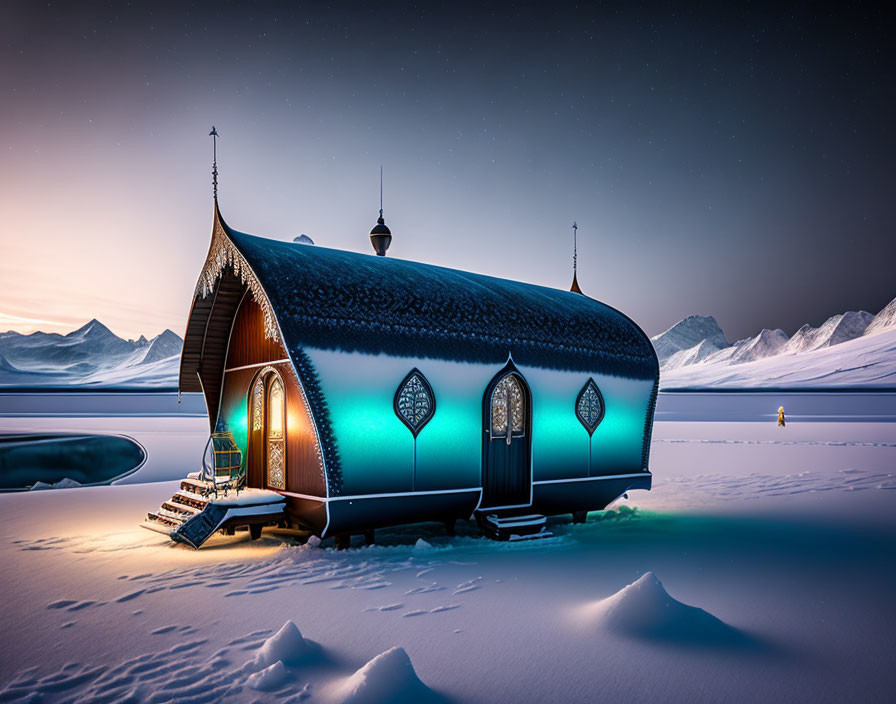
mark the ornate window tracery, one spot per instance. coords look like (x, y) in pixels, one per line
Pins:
(275, 435)
(415, 403)
(258, 403)
(508, 408)
(590, 406)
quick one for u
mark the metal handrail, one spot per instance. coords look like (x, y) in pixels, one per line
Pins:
(205, 468)
(209, 474)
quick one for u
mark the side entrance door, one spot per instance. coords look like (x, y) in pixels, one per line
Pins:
(507, 442)
(267, 442)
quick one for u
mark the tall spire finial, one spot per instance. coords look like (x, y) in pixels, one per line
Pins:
(575, 257)
(381, 191)
(214, 135)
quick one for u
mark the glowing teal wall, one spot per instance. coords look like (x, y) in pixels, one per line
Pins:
(377, 450)
(560, 442)
(235, 409)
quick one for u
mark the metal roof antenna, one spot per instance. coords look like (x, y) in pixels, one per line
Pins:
(214, 135)
(575, 259)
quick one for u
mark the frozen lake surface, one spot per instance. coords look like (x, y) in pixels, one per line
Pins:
(782, 538)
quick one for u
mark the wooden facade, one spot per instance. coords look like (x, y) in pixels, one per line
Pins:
(250, 355)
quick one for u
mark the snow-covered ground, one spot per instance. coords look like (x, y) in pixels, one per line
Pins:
(782, 539)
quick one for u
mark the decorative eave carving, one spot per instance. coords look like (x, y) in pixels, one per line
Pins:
(222, 254)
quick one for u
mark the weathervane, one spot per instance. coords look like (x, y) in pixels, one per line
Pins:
(214, 135)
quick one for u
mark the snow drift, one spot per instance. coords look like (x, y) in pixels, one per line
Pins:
(644, 609)
(389, 677)
(286, 647)
(271, 678)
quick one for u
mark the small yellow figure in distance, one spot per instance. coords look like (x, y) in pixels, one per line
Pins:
(781, 421)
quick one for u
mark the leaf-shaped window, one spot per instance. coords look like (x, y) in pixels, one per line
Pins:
(590, 406)
(414, 401)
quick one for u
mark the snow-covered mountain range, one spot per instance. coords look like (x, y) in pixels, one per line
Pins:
(92, 355)
(850, 349)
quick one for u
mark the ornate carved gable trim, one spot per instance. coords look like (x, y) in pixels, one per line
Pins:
(222, 254)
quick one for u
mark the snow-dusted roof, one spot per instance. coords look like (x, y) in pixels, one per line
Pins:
(333, 299)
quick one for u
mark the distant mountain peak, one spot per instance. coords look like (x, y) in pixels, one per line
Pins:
(164, 345)
(885, 320)
(833, 331)
(689, 333)
(92, 329)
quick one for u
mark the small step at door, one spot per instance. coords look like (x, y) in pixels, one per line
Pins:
(512, 525)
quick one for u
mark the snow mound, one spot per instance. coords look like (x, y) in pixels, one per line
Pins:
(270, 678)
(389, 677)
(421, 546)
(286, 646)
(644, 609)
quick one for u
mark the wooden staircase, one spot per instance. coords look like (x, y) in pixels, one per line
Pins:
(196, 511)
(512, 524)
(189, 500)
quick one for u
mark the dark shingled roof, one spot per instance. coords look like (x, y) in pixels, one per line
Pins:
(333, 299)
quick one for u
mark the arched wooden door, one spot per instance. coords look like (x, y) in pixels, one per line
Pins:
(267, 443)
(506, 466)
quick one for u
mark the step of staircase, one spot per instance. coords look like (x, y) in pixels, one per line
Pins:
(188, 498)
(156, 526)
(196, 486)
(186, 509)
(512, 525)
(157, 517)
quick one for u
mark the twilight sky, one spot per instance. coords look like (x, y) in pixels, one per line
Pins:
(723, 161)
